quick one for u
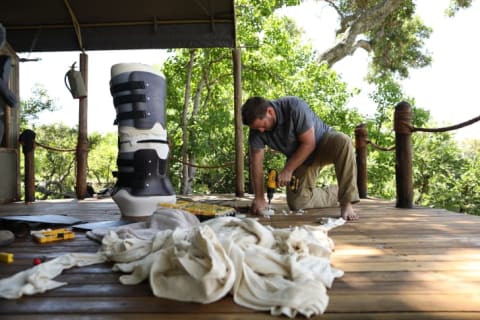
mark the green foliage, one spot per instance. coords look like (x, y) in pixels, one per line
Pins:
(55, 171)
(102, 159)
(468, 187)
(38, 103)
(211, 125)
(445, 178)
(381, 164)
(398, 45)
(457, 5)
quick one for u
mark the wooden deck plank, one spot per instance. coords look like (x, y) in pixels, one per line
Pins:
(128, 304)
(418, 263)
(260, 316)
(404, 302)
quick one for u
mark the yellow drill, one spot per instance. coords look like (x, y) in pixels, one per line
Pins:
(272, 184)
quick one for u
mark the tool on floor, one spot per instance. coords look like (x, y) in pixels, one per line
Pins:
(6, 257)
(22, 225)
(49, 235)
(203, 211)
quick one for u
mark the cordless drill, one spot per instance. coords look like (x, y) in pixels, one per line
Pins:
(272, 184)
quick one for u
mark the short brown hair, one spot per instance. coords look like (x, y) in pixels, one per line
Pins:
(254, 108)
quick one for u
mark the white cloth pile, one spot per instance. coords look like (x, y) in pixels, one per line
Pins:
(286, 271)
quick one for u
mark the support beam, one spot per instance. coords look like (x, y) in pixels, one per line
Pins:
(237, 81)
(403, 155)
(27, 140)
(82, 143)
(361, 138)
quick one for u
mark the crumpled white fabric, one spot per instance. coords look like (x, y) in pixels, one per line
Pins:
(162, 219)
(286, 270)
(127, 243)
(195, 268)
(39, 278)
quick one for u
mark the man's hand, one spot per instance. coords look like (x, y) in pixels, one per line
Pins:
(258, 206)
(305, 148)
(284, 177)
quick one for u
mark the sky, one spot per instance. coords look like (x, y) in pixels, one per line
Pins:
(448, 88)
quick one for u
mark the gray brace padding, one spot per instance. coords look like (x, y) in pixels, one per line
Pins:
(137, 97)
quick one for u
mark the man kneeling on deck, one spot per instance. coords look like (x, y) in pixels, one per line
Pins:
(290, 126)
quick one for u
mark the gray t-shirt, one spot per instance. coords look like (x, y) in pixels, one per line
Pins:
(294, 117)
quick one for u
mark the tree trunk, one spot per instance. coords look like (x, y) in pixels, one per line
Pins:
(184, 152)
(239, 155)
(191, 135)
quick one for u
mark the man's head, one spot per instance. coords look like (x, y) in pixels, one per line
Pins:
(258, 114)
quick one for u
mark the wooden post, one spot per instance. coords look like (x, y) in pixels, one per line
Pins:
(403, 152)
(251, 187)
(27, 140)
(237, 80)
(361, 138)
(82, 143)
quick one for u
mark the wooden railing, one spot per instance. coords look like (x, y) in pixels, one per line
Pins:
(403, 128)
(27, 140)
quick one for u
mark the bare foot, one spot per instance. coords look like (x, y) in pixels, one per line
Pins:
(347, 212)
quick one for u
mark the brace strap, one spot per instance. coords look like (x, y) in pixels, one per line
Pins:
(131, 85)
(147, 141)
(137, 114)
(145, 164)
(129, 98)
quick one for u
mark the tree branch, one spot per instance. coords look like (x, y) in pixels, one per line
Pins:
(356, 25)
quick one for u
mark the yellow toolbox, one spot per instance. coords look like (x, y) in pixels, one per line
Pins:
(6, 257)
(49, 235)
(203, 211)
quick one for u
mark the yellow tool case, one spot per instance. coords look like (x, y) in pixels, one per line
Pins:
(203, 211)
(49, 235)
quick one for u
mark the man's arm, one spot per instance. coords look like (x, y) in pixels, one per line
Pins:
(306, 146)
(256, 158)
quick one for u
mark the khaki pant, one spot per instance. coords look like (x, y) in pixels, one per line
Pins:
(335, 148)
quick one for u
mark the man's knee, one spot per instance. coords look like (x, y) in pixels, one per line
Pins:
(298, 200)
(309, 198)
(345, 142)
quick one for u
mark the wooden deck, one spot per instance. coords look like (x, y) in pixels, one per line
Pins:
(399, 264)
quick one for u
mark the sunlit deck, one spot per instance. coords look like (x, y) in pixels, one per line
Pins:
(416, 263)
